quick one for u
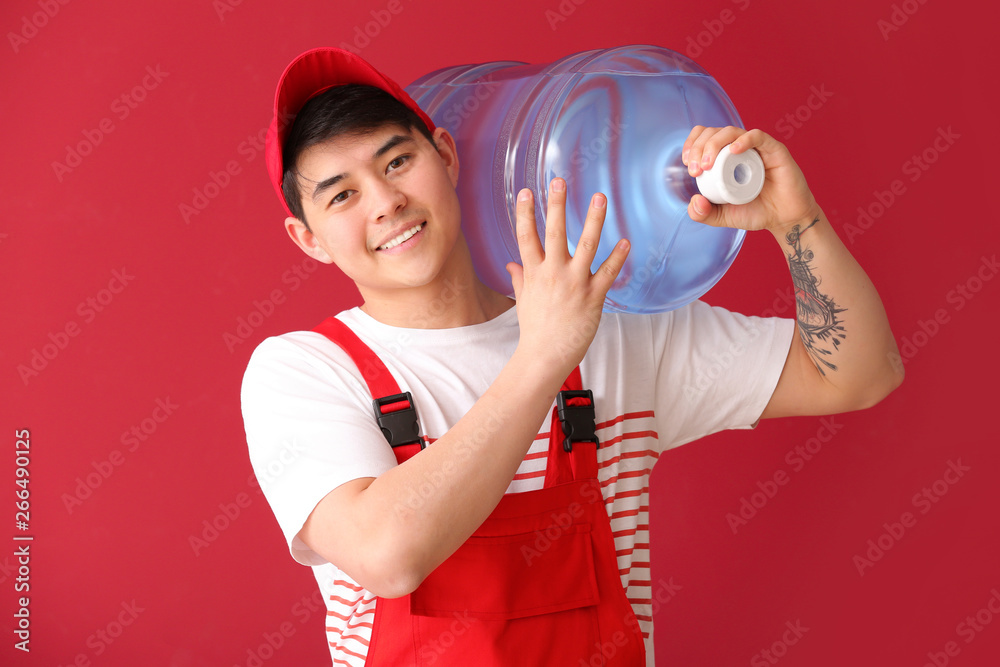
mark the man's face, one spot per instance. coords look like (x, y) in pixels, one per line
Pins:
(381, 206)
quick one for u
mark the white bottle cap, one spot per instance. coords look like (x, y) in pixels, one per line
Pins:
(733, 179)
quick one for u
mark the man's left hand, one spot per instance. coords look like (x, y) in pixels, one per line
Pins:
(785, 199)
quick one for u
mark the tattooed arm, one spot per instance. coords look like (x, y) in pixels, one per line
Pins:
(842, 356)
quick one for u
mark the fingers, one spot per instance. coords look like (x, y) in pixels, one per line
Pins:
(527, 232)
(689, 142)
(556, 247)
(555, 220)
(703, 145)
(701, 210)
(609, 269)
(590, 237)
(766, 145)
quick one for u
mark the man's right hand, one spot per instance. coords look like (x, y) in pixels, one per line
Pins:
(559, 301)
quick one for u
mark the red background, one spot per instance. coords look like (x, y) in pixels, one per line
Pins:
(162, 336)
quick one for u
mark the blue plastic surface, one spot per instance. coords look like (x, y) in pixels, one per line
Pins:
(610, 120)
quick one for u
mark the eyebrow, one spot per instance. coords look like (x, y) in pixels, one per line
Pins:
(394, 140)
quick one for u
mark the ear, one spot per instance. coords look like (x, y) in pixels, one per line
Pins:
(448, 152)
(305, 239)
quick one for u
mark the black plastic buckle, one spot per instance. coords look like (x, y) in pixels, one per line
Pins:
(399, 427)
(578, 421)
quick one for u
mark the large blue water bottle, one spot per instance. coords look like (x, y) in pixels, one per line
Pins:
(609, 120)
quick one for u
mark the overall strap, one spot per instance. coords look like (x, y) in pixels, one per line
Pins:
(395, 411)
(573, 430)
(572, 418)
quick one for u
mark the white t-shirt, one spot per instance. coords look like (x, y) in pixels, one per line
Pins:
(659, 381)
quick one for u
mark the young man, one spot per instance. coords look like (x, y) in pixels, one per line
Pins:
(506, 536)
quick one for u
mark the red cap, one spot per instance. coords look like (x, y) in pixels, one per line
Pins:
(309, 75)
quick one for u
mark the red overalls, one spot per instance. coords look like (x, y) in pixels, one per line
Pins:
(537, 583)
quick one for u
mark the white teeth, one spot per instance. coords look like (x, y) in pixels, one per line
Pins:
(402, 237)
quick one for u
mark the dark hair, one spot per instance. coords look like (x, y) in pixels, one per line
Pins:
(347, 109)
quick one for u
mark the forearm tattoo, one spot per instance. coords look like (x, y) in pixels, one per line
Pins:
(819, 324)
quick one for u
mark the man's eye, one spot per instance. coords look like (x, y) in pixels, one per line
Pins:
(339, 198)
(399, 161)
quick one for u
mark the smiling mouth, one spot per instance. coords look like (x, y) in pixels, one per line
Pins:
(402, 237)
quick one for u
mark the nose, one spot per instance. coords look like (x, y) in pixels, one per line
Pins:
(387, 200)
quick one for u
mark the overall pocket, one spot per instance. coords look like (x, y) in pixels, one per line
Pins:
(523, 599)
